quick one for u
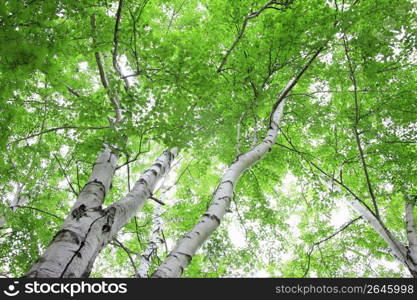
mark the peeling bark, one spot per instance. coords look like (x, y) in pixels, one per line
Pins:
(181, 255)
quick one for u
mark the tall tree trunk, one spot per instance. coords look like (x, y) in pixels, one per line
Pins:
(411, 235)
(401, 252)
(181, 255)
(89, 227)
(85, 210)
(145, 261)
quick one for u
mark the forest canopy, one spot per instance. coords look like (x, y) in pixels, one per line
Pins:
(208, 138)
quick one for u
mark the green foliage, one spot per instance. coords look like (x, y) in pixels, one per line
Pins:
(54, 120)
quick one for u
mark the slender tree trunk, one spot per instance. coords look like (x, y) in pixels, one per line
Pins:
(85, 210)
(89, 227)
(145, 261)
(411, 235)
(401, 252)
(18, 199)
(181, 255)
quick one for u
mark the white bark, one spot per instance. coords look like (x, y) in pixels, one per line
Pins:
(181, 255)
(128, 206)
(396, 247)
(18, 199)
(145, 261)
(88, 230)
(411, 233)
(63, 257)
(85, 210)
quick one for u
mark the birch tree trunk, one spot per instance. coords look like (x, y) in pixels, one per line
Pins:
(85, 210)
(89, 228)
(181, 255)
(145, 261)
(411, 235)
(18, 199)
(401, 252)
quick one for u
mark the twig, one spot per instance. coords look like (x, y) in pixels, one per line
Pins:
(72, 91)
(120, 244)
(316, 244)
(156, 200)
(39, 210)
(350, 191)
(65, 175)
(56, 129)
(244, 25)
(104, 81)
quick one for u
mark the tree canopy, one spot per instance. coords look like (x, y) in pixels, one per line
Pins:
(203, 76)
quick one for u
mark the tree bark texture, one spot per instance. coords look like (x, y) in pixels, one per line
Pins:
(89, 227)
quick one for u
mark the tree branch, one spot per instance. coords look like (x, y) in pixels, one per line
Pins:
(156, 200)
(302, 155)
(39, 210)
(398, 249)
(104, 81)
(65, 175)
(316, 244)
(116, 45)
(355, 127)
(120, 244)
(244, 25)
(56, 129)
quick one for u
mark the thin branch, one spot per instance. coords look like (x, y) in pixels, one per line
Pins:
(65, 175)
(132, 160)
(116, 29)
(355, 127)
(288, 88)
(103, 77)
(311, 94)
(78, 178)
(367, 213)
(156, 200)
(128, 174)
(178, 179)
(316, 244)
(174, 14)
(243, 28)
(39, 210)
(164, 240)
(137, 232)
(56, 129)
(120, 244)
(104, 81)
(72, 91)
(116, 45)
(411, 228)
(302, 155)
(241, 220)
